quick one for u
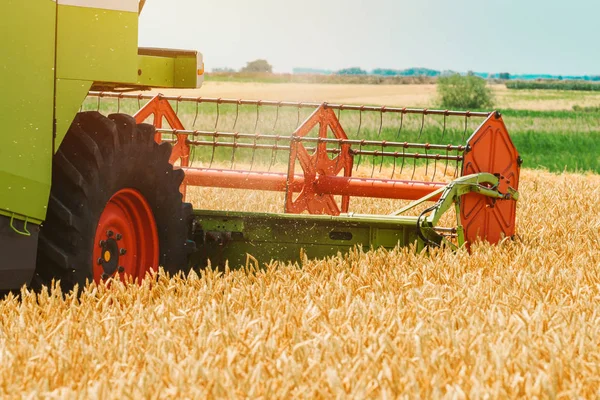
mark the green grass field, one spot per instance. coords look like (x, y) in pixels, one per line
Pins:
(556, 140)
(568, 85)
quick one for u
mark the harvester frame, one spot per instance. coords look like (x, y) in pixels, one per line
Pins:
(87, 197)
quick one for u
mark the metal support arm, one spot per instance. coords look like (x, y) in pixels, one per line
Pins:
(482, 183)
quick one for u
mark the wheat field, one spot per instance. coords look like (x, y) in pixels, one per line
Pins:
(507, 321)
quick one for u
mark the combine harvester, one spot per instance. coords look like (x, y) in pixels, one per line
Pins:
(85, 196)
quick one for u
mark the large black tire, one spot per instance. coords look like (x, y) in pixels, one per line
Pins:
(98, 157)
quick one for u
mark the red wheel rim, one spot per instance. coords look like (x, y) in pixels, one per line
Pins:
(126, 240)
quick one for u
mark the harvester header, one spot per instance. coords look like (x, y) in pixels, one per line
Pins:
(325, 167)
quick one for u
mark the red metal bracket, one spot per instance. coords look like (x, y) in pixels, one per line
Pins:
(317, 165)
(161, 109)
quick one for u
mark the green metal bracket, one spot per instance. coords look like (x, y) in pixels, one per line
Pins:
(451, 195)
(417, 202)
(168, 68)
(24, 232)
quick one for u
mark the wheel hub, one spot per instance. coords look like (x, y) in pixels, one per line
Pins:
(110, 255)
(126, 240)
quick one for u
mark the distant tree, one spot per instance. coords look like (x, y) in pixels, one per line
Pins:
(464, 92)
(352, 71)
(385, 72)
(312, 71)
(448, 72)
(419, 72)
(504, 76)
(258, 66)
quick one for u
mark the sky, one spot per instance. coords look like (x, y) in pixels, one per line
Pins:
(515, 36)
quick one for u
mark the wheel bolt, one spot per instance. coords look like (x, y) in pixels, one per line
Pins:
(119, 236)
(99, 261)
(123, 252)
(121, 269)
(109, 233)
(105, 276)
(102, 243)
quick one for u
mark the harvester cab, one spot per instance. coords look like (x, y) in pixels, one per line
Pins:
(95, 178)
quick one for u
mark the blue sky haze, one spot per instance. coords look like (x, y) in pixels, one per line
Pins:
(527, 36)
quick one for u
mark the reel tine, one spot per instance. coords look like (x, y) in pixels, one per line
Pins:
(446, 168)
(193, 149)
(403, 157)
(360, 121)
(373, 168)
(444, 130)
(119, 97)
(380, 120)
(394, 170)
(197, 110)
(218, 113)
(237, 114)
(253, 151)
(422, 124)
(273, 152)
(358, 136)
(362, 142)
(401, 122)
(257, 116)
(339, 154)
(339, 113)
(214, 146)
(276, 116)
(456, 170)
(98, 103)
(426, 159)
(298, 120)
(235, 137)
(414, 167)
(139, 99)
(467, 114)
(177, 106)
(382, 151)
(437, 157)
